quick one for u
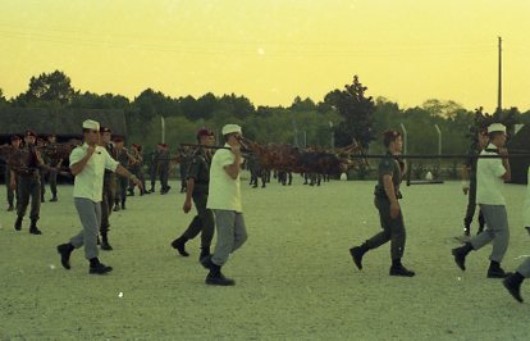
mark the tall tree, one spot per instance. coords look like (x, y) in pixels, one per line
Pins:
(357, 110)
(47, 88)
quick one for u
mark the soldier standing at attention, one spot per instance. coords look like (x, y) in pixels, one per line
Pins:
(55, 166)
(136, 167)
(109, 189)
(25, 177)
(153, 166)
(185, 160)
(15, 145)
(43, 171)
(88, 163)
(491, 174)
(197, 188)
(470, 186)
(123, 157)
(163, 168)
(386, 200)
(224, 199)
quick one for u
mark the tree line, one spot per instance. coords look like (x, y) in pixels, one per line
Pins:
(343, 114)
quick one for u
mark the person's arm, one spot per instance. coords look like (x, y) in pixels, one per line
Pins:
(123, 172)
(77, 167)
(189, 191)
(234, 168)
(13, 180)
(507, 176)
(391, 195)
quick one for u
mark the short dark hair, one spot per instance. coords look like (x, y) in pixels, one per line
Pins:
(390, 136)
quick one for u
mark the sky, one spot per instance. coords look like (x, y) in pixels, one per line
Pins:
(408, 51)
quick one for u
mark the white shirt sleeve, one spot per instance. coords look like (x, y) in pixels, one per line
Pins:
(497, 167)
(225, 157)
(76, 155)
(110, 163)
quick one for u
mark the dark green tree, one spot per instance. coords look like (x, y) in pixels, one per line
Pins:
(357, 111)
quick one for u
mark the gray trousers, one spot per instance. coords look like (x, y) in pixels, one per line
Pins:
(90, 216)
(393, 231)
(496, 231)
(231, 234)
(524, 268)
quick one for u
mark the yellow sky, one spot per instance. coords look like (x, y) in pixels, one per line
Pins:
(272, 50)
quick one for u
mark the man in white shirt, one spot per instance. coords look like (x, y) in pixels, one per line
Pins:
(513, 282)
(225, 200)
(491, 174)
(88, 163)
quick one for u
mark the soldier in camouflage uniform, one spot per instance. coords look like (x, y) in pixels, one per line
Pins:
(109, 190)
(25, 177)
(55, 166)
(387, 194)
(15, 145)
(163, 168)
(124, 158)
(153, 166)
(197, 188)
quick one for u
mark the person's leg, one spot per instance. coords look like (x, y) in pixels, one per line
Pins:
(23, 193)
(35, 188)
(471, 207)
(225, 222)
(378, 239)
(240, 232)
(53, 184)
(513, 282)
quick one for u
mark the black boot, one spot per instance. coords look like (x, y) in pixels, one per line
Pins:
(65, 250)
(105, 242)
(460, 254)
(54, 198)
(216, 277)
(495, 271)
(117, 206)
(11, 208)
(97, 268)
(357, 254)
(180, 245)
(18, 223)
(397, 269)
(123, 204)
(513, 284)
(33, 229)
(130, 192)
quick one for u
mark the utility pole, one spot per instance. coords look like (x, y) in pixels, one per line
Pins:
(499, 94)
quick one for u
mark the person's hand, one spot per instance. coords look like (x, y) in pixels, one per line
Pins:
(465, 190)
(503, 152)
(236, 150)
(394, 210)
(187, 206)
(137, 182)
(90, 150)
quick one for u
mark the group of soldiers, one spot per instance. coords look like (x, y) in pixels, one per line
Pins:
(31, 160)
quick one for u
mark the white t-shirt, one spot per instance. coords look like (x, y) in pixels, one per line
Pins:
(89, 183)
(526, 208)
(489, 181)
(224, 193)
